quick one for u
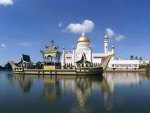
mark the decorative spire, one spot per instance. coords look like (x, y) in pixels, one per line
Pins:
(52, 42)
(83, 34)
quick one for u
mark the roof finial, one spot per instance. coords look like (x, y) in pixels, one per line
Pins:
(105, 37)
(83, 33)
(52, 42)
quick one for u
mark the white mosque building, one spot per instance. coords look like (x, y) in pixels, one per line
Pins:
(84, 49)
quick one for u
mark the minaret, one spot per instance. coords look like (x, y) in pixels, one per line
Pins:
(63, 58)
(106, 44)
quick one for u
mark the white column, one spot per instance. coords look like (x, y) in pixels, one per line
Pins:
(73, 56)
(105, 44)
(90, 52)
(63, 57)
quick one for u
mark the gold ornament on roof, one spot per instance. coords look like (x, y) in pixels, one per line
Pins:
(83, 38)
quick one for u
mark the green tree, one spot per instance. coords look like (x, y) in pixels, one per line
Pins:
(8, 66)
(39, 65)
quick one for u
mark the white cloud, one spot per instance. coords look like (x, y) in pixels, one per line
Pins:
(60, 24)
(85, 26)
(6, 2)
(3, 45)
(119, 37)
(25, 44)
(111, 34)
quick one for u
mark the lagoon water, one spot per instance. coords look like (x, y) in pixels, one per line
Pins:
(112, 93)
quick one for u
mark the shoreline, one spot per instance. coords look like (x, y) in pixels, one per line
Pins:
(125, 70)
(69, 72)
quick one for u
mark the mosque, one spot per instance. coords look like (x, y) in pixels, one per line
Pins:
(82, 55)
(83, 50)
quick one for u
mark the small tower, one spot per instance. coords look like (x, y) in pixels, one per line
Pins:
(105, 44)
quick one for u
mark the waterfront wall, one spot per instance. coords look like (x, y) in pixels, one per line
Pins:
(127, 70)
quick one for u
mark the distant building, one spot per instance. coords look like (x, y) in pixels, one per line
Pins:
(124, 64)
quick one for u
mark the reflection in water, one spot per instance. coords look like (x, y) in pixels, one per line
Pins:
(23, 82)
(129, 78)
(115, 79)
(82, 87)
(51, 89)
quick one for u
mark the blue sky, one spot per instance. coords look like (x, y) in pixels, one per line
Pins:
(26, 26)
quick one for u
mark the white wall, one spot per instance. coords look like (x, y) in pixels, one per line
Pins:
(124, 64)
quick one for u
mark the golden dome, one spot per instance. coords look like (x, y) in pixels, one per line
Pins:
(83, 38)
